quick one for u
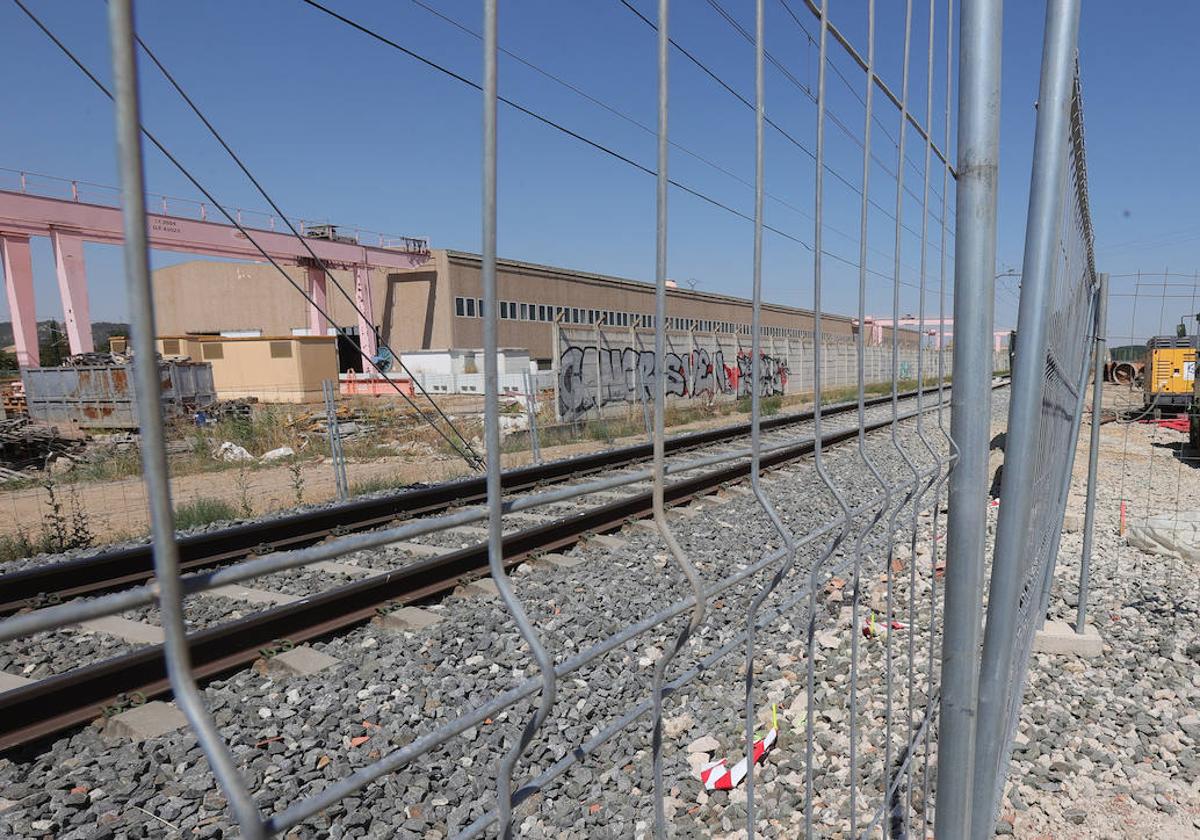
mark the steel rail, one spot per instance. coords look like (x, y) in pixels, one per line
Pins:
(33, 712)
(117, 568)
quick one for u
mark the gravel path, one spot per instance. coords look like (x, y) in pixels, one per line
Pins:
(1114, 742)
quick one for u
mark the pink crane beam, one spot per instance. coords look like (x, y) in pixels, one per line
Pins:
(71, 223)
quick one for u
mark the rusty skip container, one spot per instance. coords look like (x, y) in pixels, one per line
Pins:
(103, 396)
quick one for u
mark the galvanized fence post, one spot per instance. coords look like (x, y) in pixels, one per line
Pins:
(153, 434)
(341, 485)
(1050, 163)
(1089, 515)
(980, 31)
(531, 409)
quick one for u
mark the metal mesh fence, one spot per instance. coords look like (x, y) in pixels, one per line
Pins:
(838, 580)
(1057, 340)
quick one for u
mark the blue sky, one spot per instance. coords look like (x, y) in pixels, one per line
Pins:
(343, 128)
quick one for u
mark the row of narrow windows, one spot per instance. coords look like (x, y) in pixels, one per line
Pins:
(465, 307)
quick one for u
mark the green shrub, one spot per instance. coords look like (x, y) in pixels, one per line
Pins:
(17, 547)
(378, 484)
(203, 511)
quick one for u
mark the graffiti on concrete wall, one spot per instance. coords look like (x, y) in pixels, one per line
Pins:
(630, 375)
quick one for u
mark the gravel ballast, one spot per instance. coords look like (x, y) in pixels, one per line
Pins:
(1109, 739)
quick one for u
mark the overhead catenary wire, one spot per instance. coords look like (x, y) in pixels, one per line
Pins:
(631, 120)
(600, 103)
(733, 92)
(557, 126)
(746, 102)
(469, 456)
(598, 146)
(321, 263)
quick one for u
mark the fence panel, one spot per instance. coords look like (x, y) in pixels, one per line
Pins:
(859, 680)
(1055, 333)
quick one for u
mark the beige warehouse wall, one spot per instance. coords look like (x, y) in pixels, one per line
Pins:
(248, 367)
(210, 296)
(415, 307)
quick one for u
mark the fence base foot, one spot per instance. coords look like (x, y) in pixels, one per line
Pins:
(1059, 637)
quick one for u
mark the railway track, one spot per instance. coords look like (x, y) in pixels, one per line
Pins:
(110, 570)
(54, 704)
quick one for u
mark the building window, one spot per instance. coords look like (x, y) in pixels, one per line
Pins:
(524, 311)
(281, 349)
(170, 346)
(470, 307)
(212, 350)
(460, 307)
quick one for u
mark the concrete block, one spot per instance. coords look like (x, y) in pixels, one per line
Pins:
(297, 662)
(469, 532)
(420, 549)
(149, 721)
(407, 618)
(559, 561)
(646, 525)
(482, 588)
(607, 496)
(336, 568)
(1059, 637)
(253, 596)
(10, 681)
(606, 541)
(123, 628)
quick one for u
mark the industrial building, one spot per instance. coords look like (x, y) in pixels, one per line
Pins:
(437, 305)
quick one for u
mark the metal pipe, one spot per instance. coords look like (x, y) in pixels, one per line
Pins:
(980, 29)
(909, 463)
(1021, 444)
(860, 348)
(660, 399)
(785, 534)
(491, 409)
(1089, 511)
(941, 420)
(818, 462)
(153, 435)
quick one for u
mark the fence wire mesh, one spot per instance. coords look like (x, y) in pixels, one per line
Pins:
(829, 584)
(1033, 501)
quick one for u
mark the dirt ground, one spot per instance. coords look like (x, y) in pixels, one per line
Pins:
(117, 509)
(1145, 792)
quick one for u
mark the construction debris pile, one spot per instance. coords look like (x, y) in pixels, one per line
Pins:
(25, 445)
